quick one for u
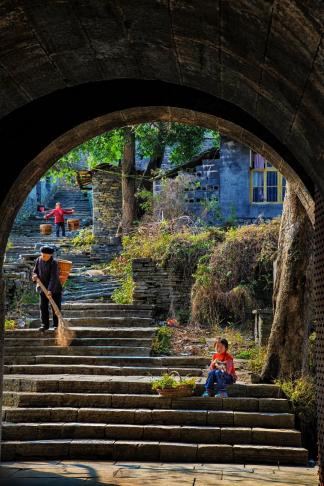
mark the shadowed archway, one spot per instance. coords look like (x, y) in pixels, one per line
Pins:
(71, 70)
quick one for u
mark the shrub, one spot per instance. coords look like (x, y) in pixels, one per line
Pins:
(237, 276)
(124, 294)
(84, 239)
(257, 360)
(162, 341)
(244, 354)
(29, 297)
(170, 243)
(302, 394)
(10, 324)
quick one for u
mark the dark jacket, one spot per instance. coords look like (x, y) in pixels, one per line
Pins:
(48, 273)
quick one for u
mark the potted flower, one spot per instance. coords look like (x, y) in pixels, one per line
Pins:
(173, 385)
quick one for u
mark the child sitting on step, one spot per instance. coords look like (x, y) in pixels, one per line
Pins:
(222, 371)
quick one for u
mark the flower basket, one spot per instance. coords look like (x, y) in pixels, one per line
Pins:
(179, 391)
(169, 387)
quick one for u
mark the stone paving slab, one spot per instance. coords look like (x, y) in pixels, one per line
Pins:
(79, 473)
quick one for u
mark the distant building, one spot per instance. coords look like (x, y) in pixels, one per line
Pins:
(237, 184)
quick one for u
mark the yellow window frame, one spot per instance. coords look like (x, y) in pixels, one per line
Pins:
(265, 187)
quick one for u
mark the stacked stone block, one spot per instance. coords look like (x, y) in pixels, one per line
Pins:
(107, 211)
(166, 289)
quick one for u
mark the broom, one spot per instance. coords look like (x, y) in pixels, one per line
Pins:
(64, 334)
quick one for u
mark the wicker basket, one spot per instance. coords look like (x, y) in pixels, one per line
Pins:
(45, 229)
(179, 391)
(65, 267)
(73, 224)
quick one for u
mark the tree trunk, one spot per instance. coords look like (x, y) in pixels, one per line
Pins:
(128, 181)
(287, 347)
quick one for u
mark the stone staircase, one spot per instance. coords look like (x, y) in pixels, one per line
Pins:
(93, 399)
(69, 197)
(25, 239)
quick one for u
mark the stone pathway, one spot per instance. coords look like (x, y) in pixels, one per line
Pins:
(78, 473)
(83, 284)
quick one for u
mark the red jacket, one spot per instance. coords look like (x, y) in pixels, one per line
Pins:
(228, 359)
(58, 214)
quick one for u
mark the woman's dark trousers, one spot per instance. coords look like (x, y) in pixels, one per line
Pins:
(44, 309)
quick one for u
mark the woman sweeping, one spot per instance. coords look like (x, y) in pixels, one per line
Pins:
(46, 270)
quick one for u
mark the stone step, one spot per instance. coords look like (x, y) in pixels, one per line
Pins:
(75, 296)
(124, 341)
(151, 416)
(169, 433)
(109, 321)
(79, 350)
(121, 385)
(85, 306)
(153, 451)
(166, 362)
(95, 370)
(83, 332)
(108, 400)
(99, 313)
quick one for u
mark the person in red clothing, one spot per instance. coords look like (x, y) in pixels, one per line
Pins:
(58, 214)
(222, 370)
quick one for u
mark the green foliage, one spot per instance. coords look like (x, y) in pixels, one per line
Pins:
(311, 354)
(145, 199)
(162, 341)
(211, 209)
(10, 324)
(29, 297)
(183, 316)
(302, 394)
(237, 276)
(151, 139)
(179, 248)
(184, 140)
(9, 245)
(168, 380)
(84, 239)
(244, 354)
(124, 294)
(257, 360)
(103, 149)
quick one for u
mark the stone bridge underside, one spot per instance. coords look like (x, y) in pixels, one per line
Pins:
(256, 65)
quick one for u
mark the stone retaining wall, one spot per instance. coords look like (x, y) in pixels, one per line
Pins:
(166, 289)
(107, 210)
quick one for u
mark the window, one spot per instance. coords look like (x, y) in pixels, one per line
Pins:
(267, 184)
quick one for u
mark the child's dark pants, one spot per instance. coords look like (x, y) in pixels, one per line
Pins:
(219, 378)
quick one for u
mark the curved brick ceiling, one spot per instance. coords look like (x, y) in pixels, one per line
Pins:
(265, 57)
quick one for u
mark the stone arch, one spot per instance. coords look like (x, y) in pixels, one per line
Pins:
(33, 169)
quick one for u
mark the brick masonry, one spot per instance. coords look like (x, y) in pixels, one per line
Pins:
(162, 287)
(107, 210)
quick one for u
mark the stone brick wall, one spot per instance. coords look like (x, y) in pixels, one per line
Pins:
(107, 210)
(40, 194)
(107, 201)
(162, 287)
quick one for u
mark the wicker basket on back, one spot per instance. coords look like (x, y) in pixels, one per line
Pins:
(65, 267)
